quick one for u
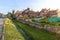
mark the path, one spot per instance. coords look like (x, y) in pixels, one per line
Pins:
(1, 28)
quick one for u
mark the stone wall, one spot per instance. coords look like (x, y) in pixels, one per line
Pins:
(49, 28)
(55, 29)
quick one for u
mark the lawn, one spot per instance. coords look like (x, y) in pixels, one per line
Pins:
(36, 34)
(11, 32)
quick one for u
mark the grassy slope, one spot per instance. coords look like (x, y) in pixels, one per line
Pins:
(38, 34)
(11, 33)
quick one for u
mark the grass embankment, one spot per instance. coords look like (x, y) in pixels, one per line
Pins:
(38, 34)
(11, 32)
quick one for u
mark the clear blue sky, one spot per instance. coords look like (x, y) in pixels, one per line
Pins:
(9, 5)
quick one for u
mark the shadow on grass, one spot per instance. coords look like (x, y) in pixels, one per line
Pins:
(21, 31)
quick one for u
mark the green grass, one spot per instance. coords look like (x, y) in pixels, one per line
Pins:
(11, 32)
(36, 34)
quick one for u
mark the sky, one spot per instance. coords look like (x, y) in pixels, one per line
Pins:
(9, 5)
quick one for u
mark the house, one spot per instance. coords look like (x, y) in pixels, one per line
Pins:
(43, 13)
(30, 13)
(26, 11)
(33, 14)
(18, 15)
(52, 13)
(2, 15)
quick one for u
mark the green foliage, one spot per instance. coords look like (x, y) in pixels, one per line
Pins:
(37, 34)
(46, 22)
(11, 14)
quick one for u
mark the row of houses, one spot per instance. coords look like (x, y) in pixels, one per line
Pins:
(28, 14)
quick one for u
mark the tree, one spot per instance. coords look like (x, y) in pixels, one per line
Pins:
(9, 14)
(12, 14)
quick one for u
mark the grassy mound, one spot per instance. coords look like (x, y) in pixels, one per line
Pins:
(11, 32)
